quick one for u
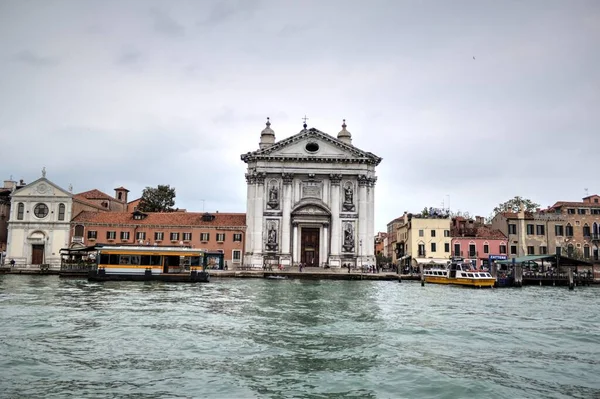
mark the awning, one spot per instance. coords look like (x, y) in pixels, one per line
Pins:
(563, 260)
(431, 261)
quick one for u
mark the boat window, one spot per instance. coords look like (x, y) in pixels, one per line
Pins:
(196, 261)
(173, 260)
(469, 274)
(145, 260)
(135, 259)
(488, 275)
(463, 274)
(104, 259)
(114, 259)
(124, 260)
(155, 260)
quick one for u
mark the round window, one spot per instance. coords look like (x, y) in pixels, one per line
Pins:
(312, 147)
(40, 210)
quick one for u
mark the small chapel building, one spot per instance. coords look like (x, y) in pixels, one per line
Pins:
(310, 201)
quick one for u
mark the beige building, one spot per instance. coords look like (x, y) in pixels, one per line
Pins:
(423, 239)
(569, 228)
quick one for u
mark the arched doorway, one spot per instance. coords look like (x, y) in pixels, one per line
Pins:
(311, 239)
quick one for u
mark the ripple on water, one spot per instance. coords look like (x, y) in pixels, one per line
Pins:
(292, 338)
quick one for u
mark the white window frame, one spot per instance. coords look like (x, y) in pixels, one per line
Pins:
(187, 236)
(159, 235)
(239, 259)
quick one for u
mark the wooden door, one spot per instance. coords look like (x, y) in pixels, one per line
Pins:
(309, 248)
(37, 254)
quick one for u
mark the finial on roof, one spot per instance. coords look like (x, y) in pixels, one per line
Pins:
(305, 119)
(44, 171)
(267, 136)
(344, 135)
(71, 188)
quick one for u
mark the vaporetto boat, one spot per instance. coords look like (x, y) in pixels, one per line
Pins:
(458, 273)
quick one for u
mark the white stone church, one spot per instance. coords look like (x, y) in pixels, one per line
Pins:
(310, 200)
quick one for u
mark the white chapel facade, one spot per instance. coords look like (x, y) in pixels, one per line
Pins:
(310, 200)
(39, 223)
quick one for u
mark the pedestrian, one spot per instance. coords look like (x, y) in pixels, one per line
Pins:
(12, 263)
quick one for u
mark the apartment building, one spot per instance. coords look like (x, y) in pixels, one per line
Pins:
(423, 239)
(476, 242)
(569, 228)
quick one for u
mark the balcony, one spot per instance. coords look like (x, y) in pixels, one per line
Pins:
(421, 253)
(457, 254)
(595, 237)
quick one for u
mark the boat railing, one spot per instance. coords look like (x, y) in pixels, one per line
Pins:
(77, 266)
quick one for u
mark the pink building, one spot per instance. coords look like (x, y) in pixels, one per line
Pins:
(472, 240)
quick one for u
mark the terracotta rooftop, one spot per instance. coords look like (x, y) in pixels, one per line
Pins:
(121, 188)
(560, 204)
(514, 215)
(89, 203)
(94, 194)
(478, 232)
(163, 219)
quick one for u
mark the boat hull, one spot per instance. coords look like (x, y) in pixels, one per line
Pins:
(468, 282)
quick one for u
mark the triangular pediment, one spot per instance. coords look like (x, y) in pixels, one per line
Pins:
(42, 187)
(312, 144)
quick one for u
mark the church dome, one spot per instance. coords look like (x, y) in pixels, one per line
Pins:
(344, 135)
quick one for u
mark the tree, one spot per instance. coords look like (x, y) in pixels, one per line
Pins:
(522, 203)
(160, 199)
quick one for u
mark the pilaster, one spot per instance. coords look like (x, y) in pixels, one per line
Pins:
(250, 200)
(336, 243)
(363, 217)
(285, 258)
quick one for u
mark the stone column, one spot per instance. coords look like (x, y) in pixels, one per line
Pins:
(325, 243)
(286, 258)
(371, 221)
(295, 245)
(363, 217)
(257, 258)
(336, 239)
(249, 244)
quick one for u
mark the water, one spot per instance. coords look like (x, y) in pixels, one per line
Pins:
(252, 338)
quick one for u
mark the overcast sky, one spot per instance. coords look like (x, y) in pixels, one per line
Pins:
(468, 102)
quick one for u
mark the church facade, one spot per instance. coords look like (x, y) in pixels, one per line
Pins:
(39, 224)
(310, 200)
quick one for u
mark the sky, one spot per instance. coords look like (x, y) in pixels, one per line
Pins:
(469, 103)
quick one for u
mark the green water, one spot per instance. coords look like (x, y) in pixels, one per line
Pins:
(255, 338)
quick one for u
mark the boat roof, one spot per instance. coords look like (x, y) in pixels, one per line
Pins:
(149, 249)
(563, 260)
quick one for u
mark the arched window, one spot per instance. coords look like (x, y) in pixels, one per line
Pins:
(569, 230)
(595, 229)
(61, 212)
(20, 211)
(570, 250)
(586, 251)
(79, 230)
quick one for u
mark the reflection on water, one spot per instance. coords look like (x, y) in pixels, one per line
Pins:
(294, 338)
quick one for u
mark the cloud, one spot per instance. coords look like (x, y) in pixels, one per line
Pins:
(129, 56)
(30, 58)
(521, 119)
(166, 25)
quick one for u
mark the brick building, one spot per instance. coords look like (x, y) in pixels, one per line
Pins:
(220, 232)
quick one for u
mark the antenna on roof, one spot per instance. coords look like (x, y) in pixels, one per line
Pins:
(586, 192)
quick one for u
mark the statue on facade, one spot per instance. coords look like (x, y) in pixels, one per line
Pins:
(348, 198)
(348, 238)
(272, 238)
(273, 202)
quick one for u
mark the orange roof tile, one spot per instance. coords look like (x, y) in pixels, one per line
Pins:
(581, 204)
(88, 203)
(163, 219)
(121, 188)
(94, 194)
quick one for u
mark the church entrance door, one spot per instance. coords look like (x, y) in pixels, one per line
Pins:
(37, 254)
(309, 247)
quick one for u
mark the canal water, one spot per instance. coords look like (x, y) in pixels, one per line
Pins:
(254, 338)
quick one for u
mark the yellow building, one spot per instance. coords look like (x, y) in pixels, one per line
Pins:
(423, 239)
